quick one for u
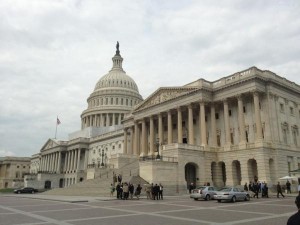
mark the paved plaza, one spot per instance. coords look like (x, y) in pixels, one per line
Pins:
(36, 210)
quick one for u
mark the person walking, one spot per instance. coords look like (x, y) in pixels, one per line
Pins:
(160, 193)
(246, 187)
(288, 187)
(112, 190)
(255, 188)
(279, 190)
(295, 219)
(138, 191)
(131, 191)
(125, 191)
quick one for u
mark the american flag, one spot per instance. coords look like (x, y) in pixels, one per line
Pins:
(57, 121)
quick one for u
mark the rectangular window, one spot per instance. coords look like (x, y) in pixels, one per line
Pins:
(217, 116)
(231, 138)
(229, 112)
(244, 109)
(117, 101)
(218, 140)
(281, 107)
(284, 136)
(247, 139)
(292, 110)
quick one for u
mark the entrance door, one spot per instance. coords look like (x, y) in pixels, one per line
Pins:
(47, 184)
(190, 173)
(61, 182)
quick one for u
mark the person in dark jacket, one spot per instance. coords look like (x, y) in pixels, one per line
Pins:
(279, 190)
(295, 219)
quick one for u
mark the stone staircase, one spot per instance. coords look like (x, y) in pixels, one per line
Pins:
(100, 186)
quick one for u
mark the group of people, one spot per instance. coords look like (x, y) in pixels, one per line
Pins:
(126, 190)
(154, 192)
(257, 187)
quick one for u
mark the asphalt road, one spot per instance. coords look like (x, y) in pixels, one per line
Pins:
(15, 210)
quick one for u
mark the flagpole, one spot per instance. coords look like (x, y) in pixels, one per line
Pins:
(56, 128)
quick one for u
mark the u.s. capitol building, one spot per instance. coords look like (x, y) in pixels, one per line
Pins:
(224, 132)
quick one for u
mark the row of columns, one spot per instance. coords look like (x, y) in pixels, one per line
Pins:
(72, 161)
(51, 162)
(102, 120)
(203, 134)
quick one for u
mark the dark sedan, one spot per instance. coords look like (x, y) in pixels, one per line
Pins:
(26, 190)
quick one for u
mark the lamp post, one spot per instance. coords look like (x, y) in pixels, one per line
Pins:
(157, 148)
(102, 164)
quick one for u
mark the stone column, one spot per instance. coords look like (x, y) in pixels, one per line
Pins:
(179, 125)
(136, 139)
(86, 154)
(241, 120)
(102, 120)
(132, 140)
(191, 125)
(113, 119)
(151, 136)
(66, 162)
(58, 163)
(170, 128)
(257, 116)
(119, 119)
(78, 159)
(107, 120)
(75, 160)
(226, 121)
(69, 161)
(143, 145)
(125, 141)
(202, 124)
(213, 125)
(160, 128)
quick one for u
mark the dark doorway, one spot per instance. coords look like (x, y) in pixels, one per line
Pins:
(47, 184)
(184, 140)
(190, 173)
(61, 182)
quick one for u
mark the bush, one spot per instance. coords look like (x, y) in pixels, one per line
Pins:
(7, 190)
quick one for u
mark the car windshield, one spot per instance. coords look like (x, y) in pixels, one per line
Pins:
(225, 189)
(201, 187)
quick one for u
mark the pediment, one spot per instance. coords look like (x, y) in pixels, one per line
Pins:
(164, 95)
(49, 144)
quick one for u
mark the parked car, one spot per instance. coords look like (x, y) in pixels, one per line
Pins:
(231, 194)
(26, 190)
(203, 192)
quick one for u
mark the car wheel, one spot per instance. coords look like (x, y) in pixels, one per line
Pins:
(219, 200)
(233, 199)
(207, 198)
(247, 198)
(19, 192)
(196, 199)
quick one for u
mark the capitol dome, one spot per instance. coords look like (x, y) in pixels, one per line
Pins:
(114, 96)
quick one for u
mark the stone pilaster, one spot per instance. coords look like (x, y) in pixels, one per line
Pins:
(179, 124)
(190, 124)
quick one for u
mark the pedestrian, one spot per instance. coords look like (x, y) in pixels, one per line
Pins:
(119, 178)
(299, 189)
(125, 191)
(246, 187)
(118, 188)
(279, 190)
(148, 191)
(265, 191)
(191, 187)
(112, 190)
(131, 190)
(152, 191)
(155, 192)
(255, 187)
(160, 193)
(288, 187)
(138, 191)
(295, 219)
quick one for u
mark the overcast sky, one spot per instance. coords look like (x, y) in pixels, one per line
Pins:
(52, 53)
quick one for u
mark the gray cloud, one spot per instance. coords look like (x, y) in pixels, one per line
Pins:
(52, 53)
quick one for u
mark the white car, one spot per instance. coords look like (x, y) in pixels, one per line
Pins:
(203, 192)
(231, 194)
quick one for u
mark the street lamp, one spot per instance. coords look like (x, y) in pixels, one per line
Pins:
(102, 164)
(157, 148)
